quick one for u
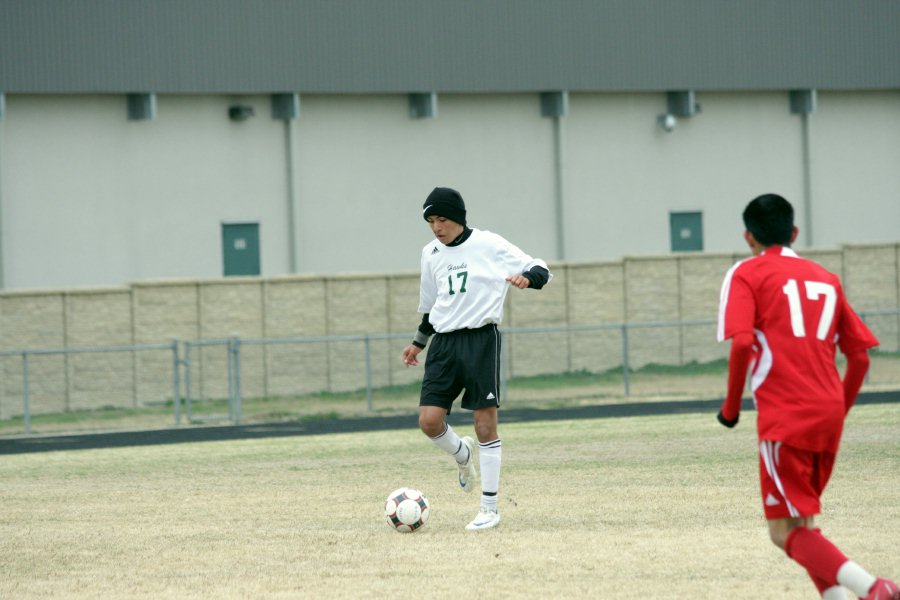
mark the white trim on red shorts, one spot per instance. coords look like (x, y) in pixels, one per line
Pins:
(768, 450)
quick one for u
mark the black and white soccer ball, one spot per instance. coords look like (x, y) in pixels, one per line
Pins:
(406, 510)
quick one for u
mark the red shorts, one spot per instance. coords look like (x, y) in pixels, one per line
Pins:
(792, 480)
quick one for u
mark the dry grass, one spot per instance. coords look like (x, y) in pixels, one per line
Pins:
(650, 507)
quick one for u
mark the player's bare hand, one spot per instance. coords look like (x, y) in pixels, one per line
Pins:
(410, 355)
(520, 281)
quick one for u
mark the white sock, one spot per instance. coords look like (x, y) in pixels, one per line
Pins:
(489, 456)
(854, 577)
(834, 593)
(450, 443)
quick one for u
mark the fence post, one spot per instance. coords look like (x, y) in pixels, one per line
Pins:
(229, 373)
(26, 400)
(862, 317)
(368, 350)
(187, 382)
(236, 374)
(176, 382)
(625, 366)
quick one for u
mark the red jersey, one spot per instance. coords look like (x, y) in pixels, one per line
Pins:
(799, 315)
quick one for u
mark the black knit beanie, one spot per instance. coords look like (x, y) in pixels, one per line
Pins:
(445, 202)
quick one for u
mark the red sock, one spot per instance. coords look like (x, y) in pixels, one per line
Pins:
(820, 585)
(816, 554)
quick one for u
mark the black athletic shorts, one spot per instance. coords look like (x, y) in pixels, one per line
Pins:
(464, 359)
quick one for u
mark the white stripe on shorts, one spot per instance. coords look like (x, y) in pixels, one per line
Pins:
(769, 452)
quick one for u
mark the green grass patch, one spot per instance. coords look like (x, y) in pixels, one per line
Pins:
(689, 369)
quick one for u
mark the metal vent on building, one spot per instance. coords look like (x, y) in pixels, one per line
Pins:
(803, 102)
(285, 106)
(554, 104)
(682, 104)
(141, 107)
(423, 106)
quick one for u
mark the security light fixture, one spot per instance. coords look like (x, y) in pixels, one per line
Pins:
(667, 121)
(678, 104)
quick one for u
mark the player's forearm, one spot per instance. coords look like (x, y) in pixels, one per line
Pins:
(537, 277)
(425, 331)
(738, 365)
(857, 367)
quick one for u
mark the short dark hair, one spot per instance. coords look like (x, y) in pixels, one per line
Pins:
(770, 218)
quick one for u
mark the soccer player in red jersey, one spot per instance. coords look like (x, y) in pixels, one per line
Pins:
(785, 317)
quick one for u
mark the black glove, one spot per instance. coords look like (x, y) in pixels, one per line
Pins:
(726, 422)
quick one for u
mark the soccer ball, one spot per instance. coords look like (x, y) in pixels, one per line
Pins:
(406, 510)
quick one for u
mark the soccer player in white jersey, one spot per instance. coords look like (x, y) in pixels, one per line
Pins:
(785, 317)
(466, 274)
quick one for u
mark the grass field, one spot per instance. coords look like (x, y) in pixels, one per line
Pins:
(645, 507)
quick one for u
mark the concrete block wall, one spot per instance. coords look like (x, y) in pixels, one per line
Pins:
(32, 320)
(403, 300)
(635, 290)
(356, 305)
(547, 307)
(700, 282)
(652, 294)
(230, 308)
(100, 317)
(595, 294)
(294, 308)
(869, 284)
(161, 312)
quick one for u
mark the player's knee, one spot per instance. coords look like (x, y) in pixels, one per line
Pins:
(431, 426)
(778, 537)
(486, 429)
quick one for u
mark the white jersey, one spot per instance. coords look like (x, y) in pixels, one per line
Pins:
(464, 287)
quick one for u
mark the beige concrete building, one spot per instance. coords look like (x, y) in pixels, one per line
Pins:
(302, 137)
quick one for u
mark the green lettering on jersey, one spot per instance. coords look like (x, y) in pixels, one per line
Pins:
(464, 275)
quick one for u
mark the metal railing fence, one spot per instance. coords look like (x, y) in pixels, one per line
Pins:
(191, 370)
(26, 356)
(233, 347)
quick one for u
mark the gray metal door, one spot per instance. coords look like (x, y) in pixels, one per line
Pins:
(240, 248)
(686, 231)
